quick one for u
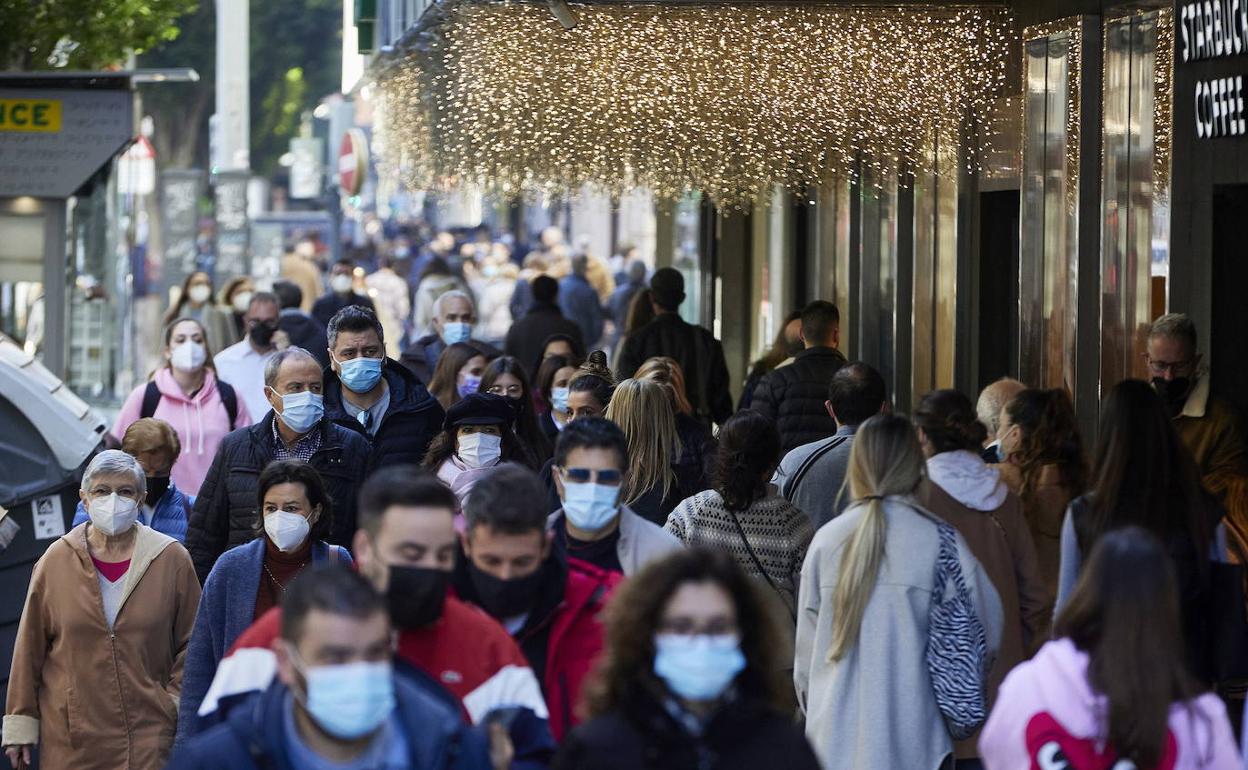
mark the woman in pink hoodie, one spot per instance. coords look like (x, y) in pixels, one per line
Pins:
(192, 400)
(1112, 691)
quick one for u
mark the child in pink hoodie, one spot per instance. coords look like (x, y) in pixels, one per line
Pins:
(200, 419)
(1120, 630)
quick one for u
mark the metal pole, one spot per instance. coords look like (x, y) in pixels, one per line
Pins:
(233, 86)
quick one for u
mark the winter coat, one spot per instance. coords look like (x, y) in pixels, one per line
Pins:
(991, 521)
(622, 299)
(93, 697)
(820, 490)
(1211, 429)
(1045, 512)
(528, 335)
(564, 634)
(1048, 715)
(167, 517)
(699, 354)
(225, 511)
(580, 303)
(305, 332)
(875, 706)
(328, 305)
(794, 397)
(642, 734)
(200, 421)
(697, 446)
(226, 610)
(411, 420)
(254, 737)
(641, 541)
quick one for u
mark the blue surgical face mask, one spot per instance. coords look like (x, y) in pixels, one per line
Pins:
(456, 331)
(471, 384)
(589, 506)
(698, 667)
(559, 399)
(360, 375)
(302, 411)
(348, 700)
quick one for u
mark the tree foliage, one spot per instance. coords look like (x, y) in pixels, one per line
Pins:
(84, 34)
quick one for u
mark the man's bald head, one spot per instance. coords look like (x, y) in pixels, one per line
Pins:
(993, 399)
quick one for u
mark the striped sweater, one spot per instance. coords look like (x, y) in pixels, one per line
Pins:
(778, 531)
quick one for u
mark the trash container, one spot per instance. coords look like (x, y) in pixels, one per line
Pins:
(47, 435)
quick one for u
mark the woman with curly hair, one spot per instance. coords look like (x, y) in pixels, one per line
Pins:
(1045, 466)
(688, 678)
(743, 514)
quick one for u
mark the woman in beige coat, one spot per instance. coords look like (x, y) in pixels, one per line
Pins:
(97, 667)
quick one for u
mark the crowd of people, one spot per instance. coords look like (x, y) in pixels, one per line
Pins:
(426, 523)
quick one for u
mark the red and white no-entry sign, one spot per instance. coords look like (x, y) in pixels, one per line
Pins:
(352, 161)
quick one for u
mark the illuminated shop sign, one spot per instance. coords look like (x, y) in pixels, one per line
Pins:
(1216, 29)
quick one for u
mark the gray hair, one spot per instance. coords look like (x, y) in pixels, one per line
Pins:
(264, 298)
(452, 294)
(993, 399)
(274, 364)
(114, 462)
(1175, 326)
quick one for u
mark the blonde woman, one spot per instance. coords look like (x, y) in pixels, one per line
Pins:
(865, 596)
(697, 444)
(642, 410)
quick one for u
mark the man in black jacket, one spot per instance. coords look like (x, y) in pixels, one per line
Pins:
(696, 350)
(373, 395)
(225, 510)
(301, 328)
(793, 396)
(528, 335)
(453, 318)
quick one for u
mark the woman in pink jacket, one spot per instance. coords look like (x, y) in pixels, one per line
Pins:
(1112, 690)
(191, 399)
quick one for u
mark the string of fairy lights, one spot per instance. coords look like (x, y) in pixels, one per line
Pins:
(729, 100)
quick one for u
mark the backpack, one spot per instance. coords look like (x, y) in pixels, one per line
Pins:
(957, 650)
(229, 399)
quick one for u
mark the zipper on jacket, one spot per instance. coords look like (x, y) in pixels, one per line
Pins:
(125, 716)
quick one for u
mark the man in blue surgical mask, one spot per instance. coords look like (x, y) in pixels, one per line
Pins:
(295, 428)
(369, 393)
(454, 317)
(591, 458)
(337, 701)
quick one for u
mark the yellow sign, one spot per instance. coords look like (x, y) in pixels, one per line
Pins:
(39, 115)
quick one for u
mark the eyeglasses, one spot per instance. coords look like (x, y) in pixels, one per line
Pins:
(510, 391)
(686, 626)
(1161, 367)
(606, 477)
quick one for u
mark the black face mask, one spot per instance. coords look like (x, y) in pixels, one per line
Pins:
(156, 488)
(262, 334)
(1173, 392)
(416, 596)
(505, 598)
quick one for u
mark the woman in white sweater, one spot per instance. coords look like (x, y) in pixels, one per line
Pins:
(863, 614)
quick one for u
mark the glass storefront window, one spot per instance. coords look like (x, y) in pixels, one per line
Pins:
(935, 270)
(1048, 280)
(878, 289)
(829, 270)
(687, 257)
(1135, 230)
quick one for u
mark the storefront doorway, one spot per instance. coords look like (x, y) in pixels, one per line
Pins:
(1225, 348)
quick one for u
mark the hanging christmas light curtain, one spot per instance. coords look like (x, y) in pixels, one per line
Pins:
(725, 99)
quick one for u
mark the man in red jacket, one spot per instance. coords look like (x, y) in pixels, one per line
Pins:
(406, 547)
(551, 606)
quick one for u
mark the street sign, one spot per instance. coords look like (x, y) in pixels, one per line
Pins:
(352, 162)
(306, 176)
(50, 147)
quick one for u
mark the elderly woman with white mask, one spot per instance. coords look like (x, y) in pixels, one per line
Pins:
(186, 393)
(97, 664)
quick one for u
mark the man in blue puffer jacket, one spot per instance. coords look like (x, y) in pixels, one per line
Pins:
(336, 700)
(154, 443)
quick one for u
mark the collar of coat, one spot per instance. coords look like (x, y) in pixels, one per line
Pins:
(148, 544)
(1198, 400)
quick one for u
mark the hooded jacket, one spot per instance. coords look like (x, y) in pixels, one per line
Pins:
(563, 635)
(794, 396)
(200, 421)
(91, 697)
(969, 495)
(875, 707)
(411, 421)
(225, 511)
(1047, 715)
(254, 737)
